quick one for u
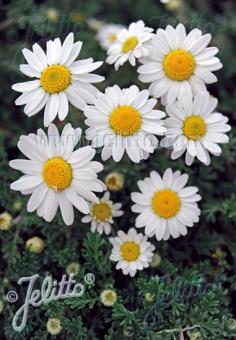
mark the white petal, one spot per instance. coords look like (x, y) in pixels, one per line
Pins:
(201, 153)
(118, 149)
(66, 209)
(32, 60)
(29, 148)
(77, 201)
(63, 106)
(37, 197)
(74, 53)
(39, 53)
(67, 47)
(51, 109)
(27, 182)
(26, 166)
(74, 98)
(29, 71)
(189, 159)
(160, 227)
(56, 51)
(212, 147)
(35, 101)
(81, 69)
(50, 205)
(82, 156)
(191, 147)
(26, 86)
(206, 75)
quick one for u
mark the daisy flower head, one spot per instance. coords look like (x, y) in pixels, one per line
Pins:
(195, 128)
(178, 63)
(129, 44)
(107, 34)
(101, 214)
(165, 206)
(131, 251)
(55, 175)
(124, 120)
(59, 79)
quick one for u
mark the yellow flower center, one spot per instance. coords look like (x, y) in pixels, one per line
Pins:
(57, 173)
(125, 120)
(179, 65)
(129, 44)
(130, 251)
(55, 78)
(112, 37)
(194, 127)
(101, 211)
(166, 203)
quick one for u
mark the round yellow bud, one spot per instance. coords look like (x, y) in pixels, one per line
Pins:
(52, 14)
(17, 205)
(35, 245)
(173, 5)
(54, 326)
(114, 181)
(156, 260)
(108, 297)
(5, 221)
(73, 268)
(149, 297)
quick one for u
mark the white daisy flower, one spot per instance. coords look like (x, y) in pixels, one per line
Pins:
(60, 79)
(124, 120)
(165, 206)
(55, 175)
(196, 128)
(107, 35)
(178, 63)
(132, 251)
(129, 44)
(101, 214)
